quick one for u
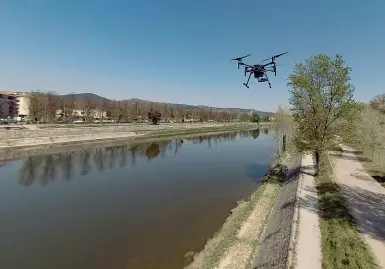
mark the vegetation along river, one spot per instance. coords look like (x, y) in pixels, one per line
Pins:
(136, 206)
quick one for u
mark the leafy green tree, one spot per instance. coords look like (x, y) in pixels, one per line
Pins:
(154, 116)
(256, 118)
(370, 133)
(322, 103)
(266, 119)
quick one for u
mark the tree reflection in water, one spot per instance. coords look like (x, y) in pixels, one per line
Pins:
(255, 133)
(45, 168)
(152, 151)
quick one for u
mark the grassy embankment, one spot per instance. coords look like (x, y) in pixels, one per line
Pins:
(235, 243)
(342, 244)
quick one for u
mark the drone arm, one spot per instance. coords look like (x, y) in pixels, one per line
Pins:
(271, 63)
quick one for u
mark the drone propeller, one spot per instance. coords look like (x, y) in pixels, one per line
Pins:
(275, 56)
(239, 59)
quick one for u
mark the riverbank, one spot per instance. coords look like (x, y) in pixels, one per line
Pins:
(244, 238)
(23, 138)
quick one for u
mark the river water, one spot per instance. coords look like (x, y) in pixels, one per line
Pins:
(131, 206)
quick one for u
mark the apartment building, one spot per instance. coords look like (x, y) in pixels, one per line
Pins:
(9, 104)
(23, 109)
(13, 104)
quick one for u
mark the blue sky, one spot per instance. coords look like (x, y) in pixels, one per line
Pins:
(180, 51)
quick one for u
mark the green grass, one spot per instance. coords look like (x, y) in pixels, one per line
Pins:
(342, 244)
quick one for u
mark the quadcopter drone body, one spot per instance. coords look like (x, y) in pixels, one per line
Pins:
(259, 70)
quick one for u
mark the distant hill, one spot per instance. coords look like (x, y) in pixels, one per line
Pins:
(83, 97)
(96, 99)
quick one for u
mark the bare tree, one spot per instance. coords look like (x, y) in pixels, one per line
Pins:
(35, 105)
(86, 108)
(115, 110)
(126, 110)
(53, 103)
(70, 107)
(165, 111)
(283, 125)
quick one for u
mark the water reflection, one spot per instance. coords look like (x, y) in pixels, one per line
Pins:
(67, 165)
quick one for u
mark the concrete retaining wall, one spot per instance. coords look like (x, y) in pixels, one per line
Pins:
(15, 134)
(53, 132)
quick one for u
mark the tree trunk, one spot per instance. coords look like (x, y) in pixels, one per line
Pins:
(318, 162)
(283, 142)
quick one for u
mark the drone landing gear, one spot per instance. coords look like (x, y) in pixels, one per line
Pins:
(268, 81)
(247, 83)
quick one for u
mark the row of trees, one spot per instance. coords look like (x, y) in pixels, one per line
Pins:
(257, 118)
(49, 106)
(370, 130)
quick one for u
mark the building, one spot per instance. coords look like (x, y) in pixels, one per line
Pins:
(80, 114)
(23, 110)
(13, 104)
(9, 104)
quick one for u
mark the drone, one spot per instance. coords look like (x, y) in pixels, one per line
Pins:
(259, 70)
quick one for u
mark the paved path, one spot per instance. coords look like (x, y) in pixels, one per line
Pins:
(308, 244)
(366, 200)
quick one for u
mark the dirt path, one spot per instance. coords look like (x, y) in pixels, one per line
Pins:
(366, 199)
(308, 242)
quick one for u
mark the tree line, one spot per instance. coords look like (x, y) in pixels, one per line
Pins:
(370, 130)
(51, 107)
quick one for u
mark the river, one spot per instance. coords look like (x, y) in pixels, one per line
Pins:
(136, 206)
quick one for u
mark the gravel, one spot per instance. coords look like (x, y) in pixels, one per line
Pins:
(274, 248)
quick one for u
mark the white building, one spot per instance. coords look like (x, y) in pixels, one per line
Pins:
(79, 113)
(23, 105)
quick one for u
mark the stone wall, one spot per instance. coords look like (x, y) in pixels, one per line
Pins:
(273, 252)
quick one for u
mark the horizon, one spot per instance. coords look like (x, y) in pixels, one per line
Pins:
(174, 53)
